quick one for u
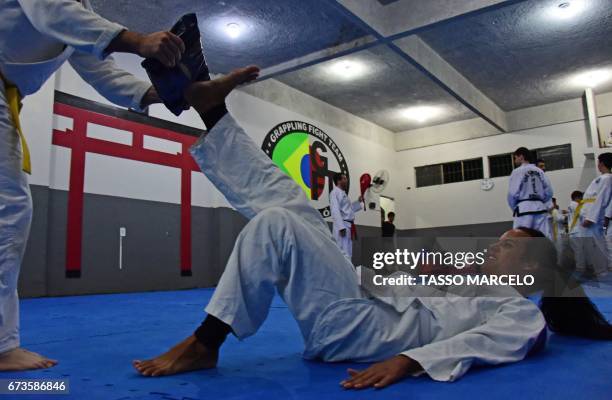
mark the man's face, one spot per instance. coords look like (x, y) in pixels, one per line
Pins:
(343, 182)
(391, 217)
(518, 160)
(507, 255)
(542, 166)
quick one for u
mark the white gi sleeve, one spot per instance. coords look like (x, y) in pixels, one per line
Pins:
(506, 336)
(601, 202)
(609, 210)
(548, 190)
(71, 23)
(114, 84)
(334, 206)
(357, 206)
(514, 188)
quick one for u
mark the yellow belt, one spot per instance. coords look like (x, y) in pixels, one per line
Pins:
(13, 99)
(577, 211)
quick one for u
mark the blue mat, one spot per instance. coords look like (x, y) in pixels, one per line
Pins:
(96, 337)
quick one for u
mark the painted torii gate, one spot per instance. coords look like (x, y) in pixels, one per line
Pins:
(82, 112)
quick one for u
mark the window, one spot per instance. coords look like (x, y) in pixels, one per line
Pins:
(472, 169)
(555, 157)
(500, 165)
(429, 175)
(455, 171)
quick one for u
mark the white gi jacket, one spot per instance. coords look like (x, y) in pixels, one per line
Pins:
(600, 190)
(342, 210)
(36, 39)
(529, 190)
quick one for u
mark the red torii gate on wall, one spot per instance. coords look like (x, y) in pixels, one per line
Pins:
(82, 112)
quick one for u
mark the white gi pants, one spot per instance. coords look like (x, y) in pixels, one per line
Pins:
(534, 221)
(15, 218)
(345, 242)
(609, 247)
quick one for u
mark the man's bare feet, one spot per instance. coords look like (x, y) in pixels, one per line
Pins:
(206, 95)
(21, 359)
(188, 355)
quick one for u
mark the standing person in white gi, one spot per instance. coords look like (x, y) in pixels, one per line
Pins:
(558, 222)
(609, 234)
(343, 214)
(575, 228)
(528, 194)
(592, 215)
(36, 38)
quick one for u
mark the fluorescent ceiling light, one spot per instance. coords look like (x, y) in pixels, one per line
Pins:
(233, 30)
(346, 69)
(591, 79)
(421, 113)
(567, 9)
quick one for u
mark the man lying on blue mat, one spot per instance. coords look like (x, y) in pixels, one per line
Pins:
(287, 247)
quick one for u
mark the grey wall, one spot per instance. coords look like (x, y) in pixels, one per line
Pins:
(151, 258)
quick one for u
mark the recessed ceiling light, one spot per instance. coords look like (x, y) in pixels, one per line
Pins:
(421, 113)
(568, 9)
(591, 79)
(233, 30)
(347, 69)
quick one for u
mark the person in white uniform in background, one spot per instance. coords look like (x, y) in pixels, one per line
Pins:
(575, 228)
(608, 229)
(36, 38)
(558, 222)
(592, 215)
(286, 248)
(528, 193)
(343, 214)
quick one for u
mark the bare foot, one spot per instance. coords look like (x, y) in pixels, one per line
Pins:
(205, 95)
(21, 359)
(188, 355)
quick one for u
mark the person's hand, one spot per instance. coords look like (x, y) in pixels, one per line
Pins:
(343, 232)
(166, 47)
(361, 199)
(150, 97)
(381, 374)
(586, 223)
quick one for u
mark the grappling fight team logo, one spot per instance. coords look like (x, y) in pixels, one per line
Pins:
(309, 156)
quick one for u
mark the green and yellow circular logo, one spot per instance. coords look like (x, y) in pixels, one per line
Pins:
(309, 156)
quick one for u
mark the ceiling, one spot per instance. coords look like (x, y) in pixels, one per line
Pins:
(479, 58)
(521, 56)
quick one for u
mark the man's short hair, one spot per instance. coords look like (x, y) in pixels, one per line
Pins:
(606, 159)
(576, 194)
(539, 160)
(523, 151)
(391, 215)
(337, 176)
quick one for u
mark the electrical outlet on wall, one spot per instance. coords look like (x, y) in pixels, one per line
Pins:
(122, 232)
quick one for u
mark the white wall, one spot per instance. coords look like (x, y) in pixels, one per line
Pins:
(464, 202)
(124, 178)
